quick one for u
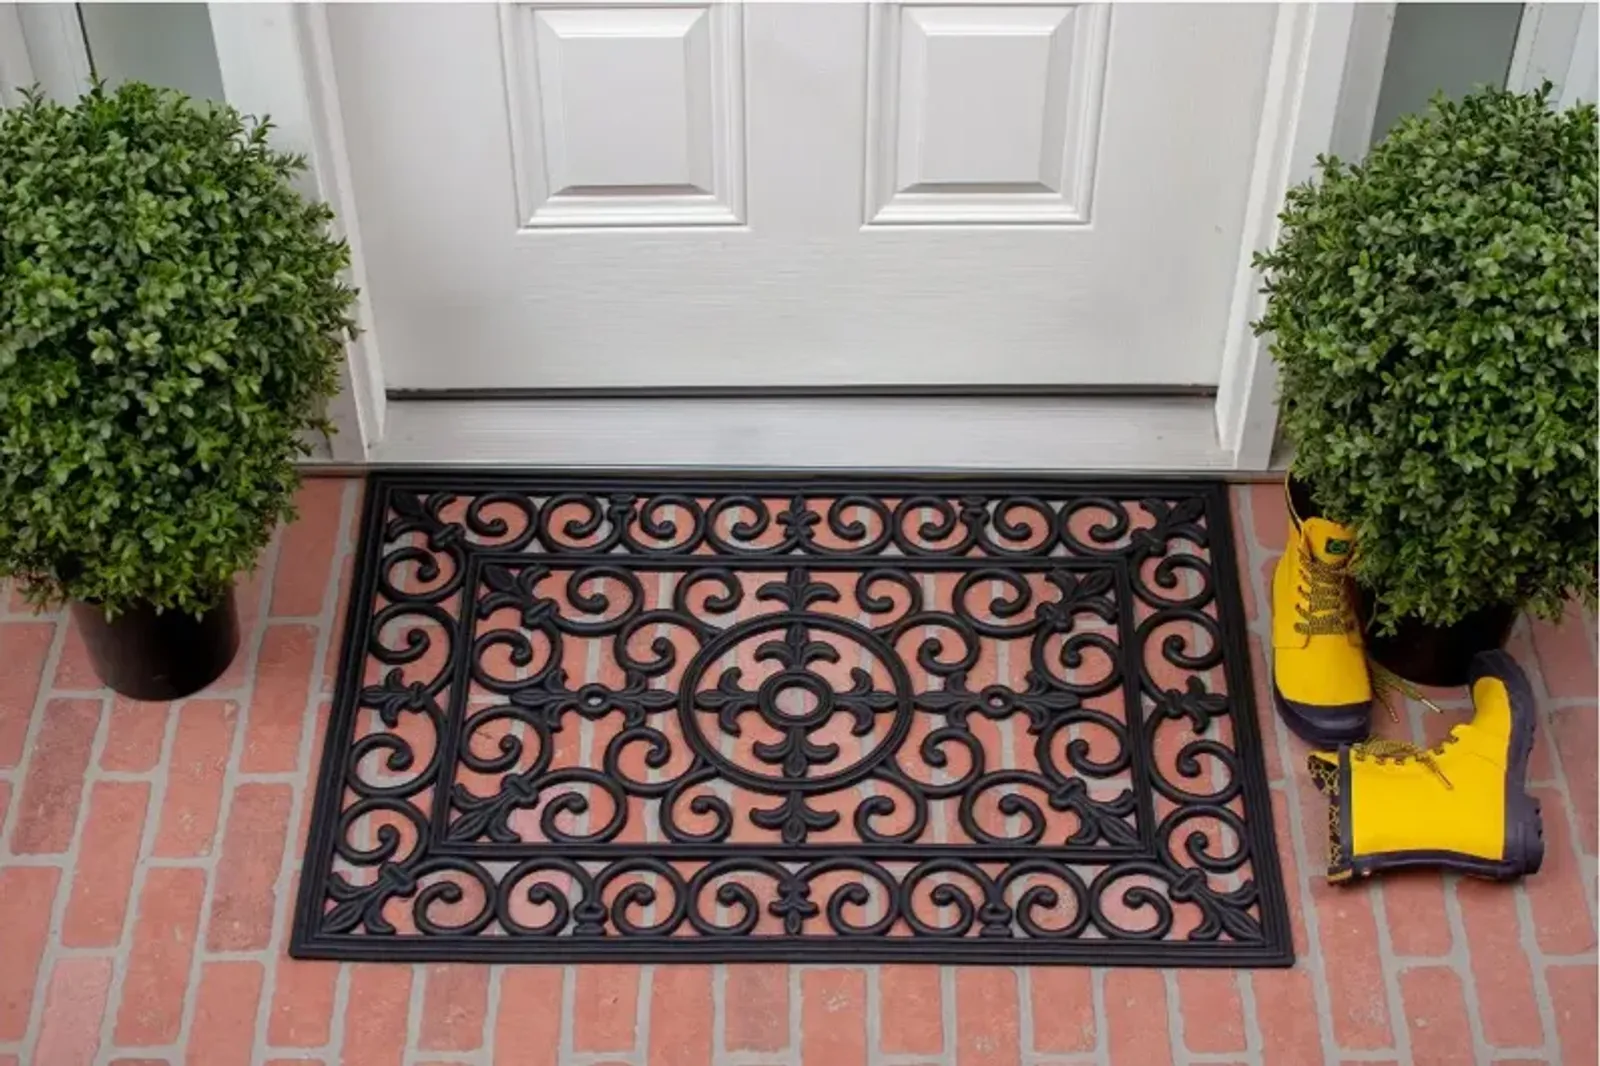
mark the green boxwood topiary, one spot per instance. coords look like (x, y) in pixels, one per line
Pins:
(1433, 313)
(172, 317)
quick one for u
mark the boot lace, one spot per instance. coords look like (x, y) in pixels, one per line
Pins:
(1326, 610)
(1386, 682)
(1399, 752)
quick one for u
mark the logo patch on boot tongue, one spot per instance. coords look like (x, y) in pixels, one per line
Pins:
(1335, 546)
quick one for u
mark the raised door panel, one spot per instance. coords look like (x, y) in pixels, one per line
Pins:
(983, 114)
(626, 116)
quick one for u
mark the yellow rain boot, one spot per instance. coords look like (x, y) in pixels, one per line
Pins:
(1463, 804)
(1320, 682)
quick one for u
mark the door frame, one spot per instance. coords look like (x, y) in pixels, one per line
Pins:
(276, 59)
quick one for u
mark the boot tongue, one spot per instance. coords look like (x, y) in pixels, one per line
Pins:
(1330, 542)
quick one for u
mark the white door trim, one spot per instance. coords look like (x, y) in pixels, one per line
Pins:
(16, 70)
(54, 54)
(1304, 80)
(1370, 28)
(275, 59)
(1582, 83)
(1555, 42)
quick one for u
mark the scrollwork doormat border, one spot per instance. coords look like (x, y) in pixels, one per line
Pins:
(645, 716)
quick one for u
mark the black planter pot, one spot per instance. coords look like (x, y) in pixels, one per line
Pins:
(1438, 655)
(160, 656)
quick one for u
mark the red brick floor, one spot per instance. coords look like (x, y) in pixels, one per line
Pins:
(148, 856)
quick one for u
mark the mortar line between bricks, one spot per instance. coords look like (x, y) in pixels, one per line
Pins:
(491, 1015)
(641, 1028)
(719, 1012)
(272, 777)
(14, 616)
(244, 691)
(299, 791)
(197, 862)
(794, 1013)
(1102, 1031)
(30, 738)
(1575, 834)
(230, 784)
(125, 777)
(1461, 958)
(1262, 628)
(414, 1008)
(757, 1058)
(568, 1023)
(1538, 962)
(1399, 1027)
(871, 1022)
(141, 871)
(1383, 1055)
(160, 1052)
(949, 1021)
(1177, 1040)
(1568, 703)
(1527, 933)
(1025, 1033)
(35, 862)
(58, 906)
(1528, 939)
(1253, 1040)
(106, 692)
(1412, 962)
(341, 1004)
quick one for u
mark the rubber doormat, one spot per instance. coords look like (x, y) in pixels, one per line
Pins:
(588, 717)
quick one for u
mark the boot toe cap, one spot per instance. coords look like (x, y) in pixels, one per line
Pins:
(1326, 726)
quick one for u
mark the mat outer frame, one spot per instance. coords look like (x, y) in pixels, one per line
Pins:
(1274, 949)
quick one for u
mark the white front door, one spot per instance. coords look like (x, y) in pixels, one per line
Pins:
(598, 196)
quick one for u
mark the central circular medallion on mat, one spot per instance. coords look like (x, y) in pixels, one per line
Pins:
(795, 702)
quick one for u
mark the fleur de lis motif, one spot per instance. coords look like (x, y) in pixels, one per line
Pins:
(797, 591)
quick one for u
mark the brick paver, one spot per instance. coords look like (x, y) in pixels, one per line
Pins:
(148, 857)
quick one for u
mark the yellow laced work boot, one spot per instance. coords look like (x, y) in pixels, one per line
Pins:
(1320, 682)
(1462, 804)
